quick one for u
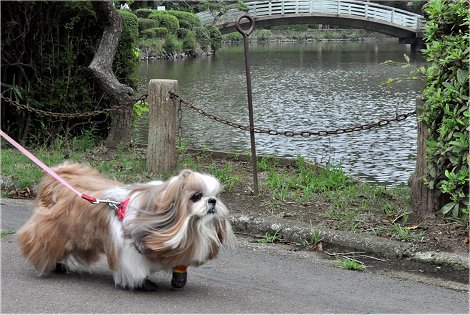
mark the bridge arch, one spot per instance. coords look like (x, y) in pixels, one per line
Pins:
(407, 26)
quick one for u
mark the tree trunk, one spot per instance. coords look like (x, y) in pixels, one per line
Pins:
(101, 67)
(425, 201)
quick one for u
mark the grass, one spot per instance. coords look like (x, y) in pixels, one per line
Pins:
(286, 191)
(5, 233)
(350, 264)
(270, 238)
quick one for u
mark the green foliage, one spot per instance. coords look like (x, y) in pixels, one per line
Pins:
(187, 20)
(446, 98)
(144, 13)
(172, 45)
(233, 37)
(215, 36)
(190, 44)
(263, 35)
(166, 20)
(127, 56)
(148, 33)
(350, 264)
(145, 24)
(45, 65)
(203, 37)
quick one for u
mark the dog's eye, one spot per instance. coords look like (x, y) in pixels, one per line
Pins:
(196, 197)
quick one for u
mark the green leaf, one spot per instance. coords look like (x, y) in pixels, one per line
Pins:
(446, 209)
(462, 75)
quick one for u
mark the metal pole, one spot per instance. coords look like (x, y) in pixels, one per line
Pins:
(245, 35)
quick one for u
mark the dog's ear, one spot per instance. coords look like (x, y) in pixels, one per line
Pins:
(185, 173)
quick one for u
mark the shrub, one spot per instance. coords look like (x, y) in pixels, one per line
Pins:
(147, 23)
(190, 44)
(234, 36)
(203, 37)
(148, 33)
(144, 13)
(215, 36)
(166, 20)
(127, 57)
(263, 35)
(181, 33)
(160, 32)
(446, 97)
(187, 20)
(172, 44)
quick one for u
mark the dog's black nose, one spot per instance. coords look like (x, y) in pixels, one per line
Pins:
(212, 201)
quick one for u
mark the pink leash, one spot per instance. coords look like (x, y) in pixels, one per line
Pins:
(119, 207)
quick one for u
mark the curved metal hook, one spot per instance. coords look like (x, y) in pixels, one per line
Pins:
(252, 24)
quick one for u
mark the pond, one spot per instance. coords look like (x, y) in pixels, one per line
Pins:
(302, 86)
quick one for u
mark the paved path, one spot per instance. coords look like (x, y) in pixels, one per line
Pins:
(250, 279)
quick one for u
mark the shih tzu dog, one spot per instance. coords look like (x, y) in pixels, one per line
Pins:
(167, 226)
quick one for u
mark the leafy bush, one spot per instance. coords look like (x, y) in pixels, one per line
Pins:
(181, 33)
(145, 24)
(127, 57)
(144, 13)
(263, 35)
(446, 98)
(148, 33)
(203, 37)
(190, 44)
(215, 36)
(234, 36)
(166, 20)
(187, 20)
(160, 32)
(172, 45)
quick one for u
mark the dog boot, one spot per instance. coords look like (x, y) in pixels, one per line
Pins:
(148, 286)
(180, 276)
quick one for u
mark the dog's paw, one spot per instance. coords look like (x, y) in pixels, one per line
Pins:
(148, 286)
(61, 268)
(179, 280)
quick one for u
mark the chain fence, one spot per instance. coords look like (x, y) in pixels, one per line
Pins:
(288, 133)
(62, 116)
(181, 102)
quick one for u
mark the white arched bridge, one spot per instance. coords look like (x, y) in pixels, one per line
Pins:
(407, 26)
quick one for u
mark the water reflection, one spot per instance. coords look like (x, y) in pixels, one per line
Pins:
(313, 86)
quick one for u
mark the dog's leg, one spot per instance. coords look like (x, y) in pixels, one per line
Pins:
(61, 268)
(180, 276)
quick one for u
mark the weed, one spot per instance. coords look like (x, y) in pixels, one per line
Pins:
(406, 233)
(350, 264)
(268, 238)
(5, 233)
(315, 237)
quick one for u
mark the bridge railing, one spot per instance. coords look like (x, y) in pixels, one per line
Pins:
(353, 8)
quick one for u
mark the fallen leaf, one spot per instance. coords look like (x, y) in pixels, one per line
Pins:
(465, 241)
(413, 227)
(320, 246)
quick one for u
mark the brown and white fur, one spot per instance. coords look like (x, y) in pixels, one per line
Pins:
(167, 224)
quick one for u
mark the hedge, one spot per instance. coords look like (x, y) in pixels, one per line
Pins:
(147, 23)
(166, 20)
(446, 97)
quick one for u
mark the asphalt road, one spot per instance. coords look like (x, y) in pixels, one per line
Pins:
(253, 278)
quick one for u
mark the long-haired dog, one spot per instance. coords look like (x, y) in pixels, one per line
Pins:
(167, 225)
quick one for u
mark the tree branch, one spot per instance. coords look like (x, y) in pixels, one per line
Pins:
(102, 63)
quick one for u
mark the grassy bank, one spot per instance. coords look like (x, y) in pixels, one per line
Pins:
(297, 190)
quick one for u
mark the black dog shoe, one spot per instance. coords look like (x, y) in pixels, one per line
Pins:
(179, 279)
(148, 286)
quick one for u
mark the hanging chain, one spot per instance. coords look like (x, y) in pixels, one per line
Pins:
(65, 115)
(288, 133)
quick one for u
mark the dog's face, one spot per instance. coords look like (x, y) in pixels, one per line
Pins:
(182, 220)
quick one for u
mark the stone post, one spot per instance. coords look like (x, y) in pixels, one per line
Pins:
(161, 150)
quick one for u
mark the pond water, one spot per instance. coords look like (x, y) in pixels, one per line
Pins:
(302, 86)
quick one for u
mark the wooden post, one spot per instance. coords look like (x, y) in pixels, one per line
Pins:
(161, 150)
(425, 201)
